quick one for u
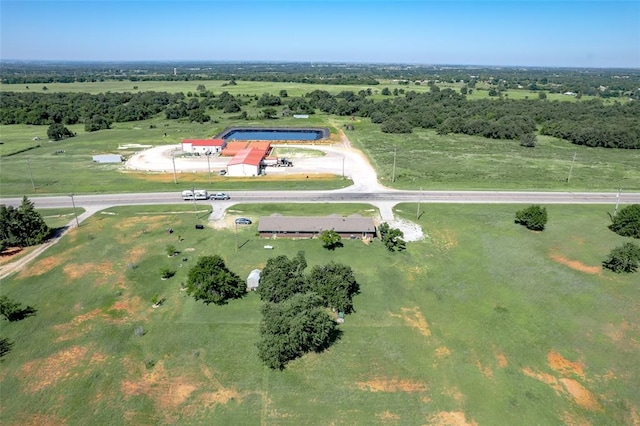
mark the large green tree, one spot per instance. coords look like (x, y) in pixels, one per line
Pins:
(282, 277)
(58, 131)
(392, 238)
(330, 239)
(211, 281)
(335, 284)
(292, 328)
(627, 221)
(23, 226)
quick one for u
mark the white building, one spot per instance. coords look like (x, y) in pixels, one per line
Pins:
(203, 146)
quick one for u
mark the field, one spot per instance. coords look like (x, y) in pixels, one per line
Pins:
(482, 322)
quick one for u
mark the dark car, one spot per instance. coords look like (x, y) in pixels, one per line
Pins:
(243, 221)
(220, 196)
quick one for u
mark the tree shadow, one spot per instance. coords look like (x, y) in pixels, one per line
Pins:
(334, 336)
(5, 346)
(22, 313)
(333, 246)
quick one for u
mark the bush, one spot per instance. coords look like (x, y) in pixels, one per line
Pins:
(533, 217)
(627, 221)
(624, 258)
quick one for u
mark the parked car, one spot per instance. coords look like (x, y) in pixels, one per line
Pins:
(243, 221)
(220, 196)
(223, 172)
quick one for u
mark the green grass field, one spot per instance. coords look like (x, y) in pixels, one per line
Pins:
(482, 322)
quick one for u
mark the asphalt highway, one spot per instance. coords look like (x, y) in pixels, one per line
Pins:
(388, 196)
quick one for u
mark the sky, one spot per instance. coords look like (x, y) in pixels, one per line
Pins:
(569, 33)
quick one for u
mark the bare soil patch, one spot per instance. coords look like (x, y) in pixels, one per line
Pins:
(454, 393)
(73, 329)
(565, 367)
(484, 369)
(450, 418)
(384, 384)
(443, 239)
(75, 271)
(414, 318)
(151, 223)
(501, 360)
(42, 266)
(619, 335)
(581, 395)
(51, 370)
(572, 419)
(39, 420)
(575, 264)
(442, 352)
(9, 254)
(388, 417)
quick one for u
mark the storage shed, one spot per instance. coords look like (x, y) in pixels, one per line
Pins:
(107, 158)
(253, 280)
(203, 146)
(246, 162)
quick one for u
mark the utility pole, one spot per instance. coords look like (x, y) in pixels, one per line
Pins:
(615, 211)
(195, 207)
(571, 168)
(173, 160)
(419, 198)
(75, 213)
(33, 185)
(209, 166)
(343, 167)
(393, 172)
(236, 236)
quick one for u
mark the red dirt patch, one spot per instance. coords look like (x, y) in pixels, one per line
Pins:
(42, 266)
(485, 370)
(501, 360)
(454, 393)
(8, 254)
(442, 352)
(388, 417)
(414, 318)
(71, 330)
(39, 420)
(75, 271)
(565, 367)
(581, 395)
(450, 418)
(618, 334)
(383, 384)
(575, 264)
(58, 366)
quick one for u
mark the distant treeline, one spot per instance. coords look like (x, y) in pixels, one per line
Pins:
(590, 123)
(593, 82)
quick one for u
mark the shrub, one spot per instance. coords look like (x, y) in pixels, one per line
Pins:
(624, 258)
(627, 221)
(533, 217)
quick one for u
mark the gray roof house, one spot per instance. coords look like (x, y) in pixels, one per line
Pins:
(307, 227)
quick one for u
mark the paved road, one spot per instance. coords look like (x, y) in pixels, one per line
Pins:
(342, 195)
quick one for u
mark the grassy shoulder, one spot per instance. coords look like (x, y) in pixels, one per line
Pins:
(478, 318)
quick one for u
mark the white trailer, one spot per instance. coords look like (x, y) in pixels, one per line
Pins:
(187, 194)
(201, 194)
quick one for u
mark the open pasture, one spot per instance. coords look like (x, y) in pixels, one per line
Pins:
(482, 322)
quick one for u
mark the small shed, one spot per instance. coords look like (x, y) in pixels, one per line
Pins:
(253, 280)
(107, 158)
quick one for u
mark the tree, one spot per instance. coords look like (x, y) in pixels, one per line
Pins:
(292, 328)
(270, 113)
(533, 217)
(57, 131)
(330, 239)
(542, 95)
(335, 284)
(624, 258)
(209, 280)
(23, 226)
(97, 122)
(392, 237)
(627, 221)
(201, 88)
(283, 93)
(528, 140)
(281, 278)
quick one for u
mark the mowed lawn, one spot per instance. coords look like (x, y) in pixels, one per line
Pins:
(482, 322)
